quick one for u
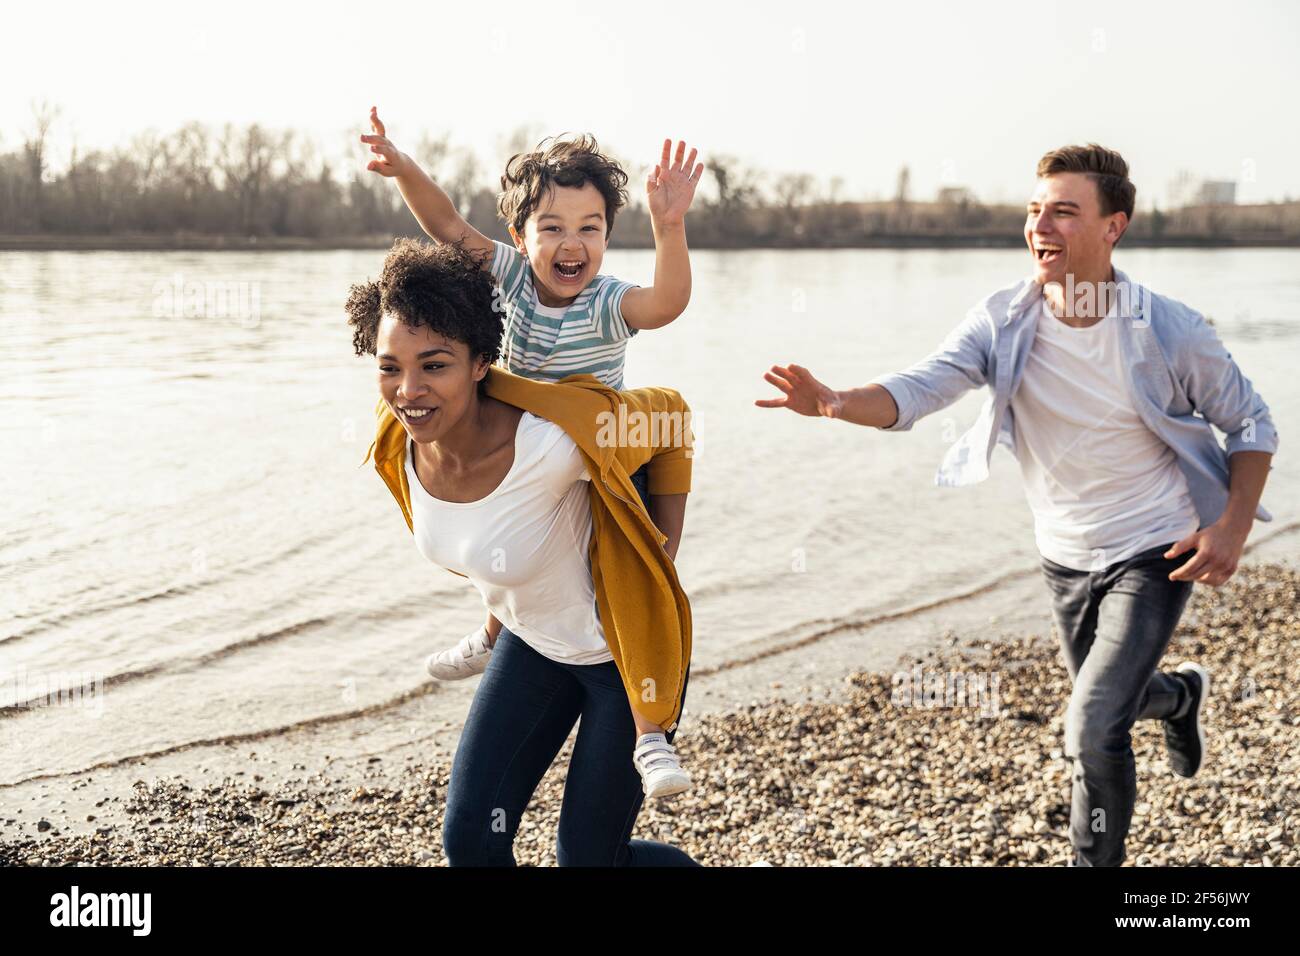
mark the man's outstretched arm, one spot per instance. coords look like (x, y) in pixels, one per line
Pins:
(896, 401)
(869, 405)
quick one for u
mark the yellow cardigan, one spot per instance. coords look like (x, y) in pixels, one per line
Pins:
(643, 609)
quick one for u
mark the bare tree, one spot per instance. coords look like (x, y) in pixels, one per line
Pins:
(737, 189)
(245, 161)
(735, 184)
(834, 189)
(464, 182)
(791, 188)
(431, 152)
(522, 139)
(192, 160)
(43, 116)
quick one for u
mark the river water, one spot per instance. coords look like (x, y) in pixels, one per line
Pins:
(183, 516)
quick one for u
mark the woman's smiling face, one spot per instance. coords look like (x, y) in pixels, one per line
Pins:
(564, 240)
(427, 380)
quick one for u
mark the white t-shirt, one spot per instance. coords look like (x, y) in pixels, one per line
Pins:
(524, 546)
(1101, 485)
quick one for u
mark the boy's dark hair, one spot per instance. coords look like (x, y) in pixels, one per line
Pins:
(440, 287)
(559, 162)
(1103, 166)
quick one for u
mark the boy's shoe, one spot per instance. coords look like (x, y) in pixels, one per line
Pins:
(466, 659)
(1185, 736)
(656, 761)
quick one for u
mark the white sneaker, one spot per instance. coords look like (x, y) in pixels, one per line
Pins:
(466, 659)
(656, 761)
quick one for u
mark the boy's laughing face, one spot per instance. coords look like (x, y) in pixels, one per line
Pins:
(564, 240)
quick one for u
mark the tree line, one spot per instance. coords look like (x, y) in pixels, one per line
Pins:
(251, 183)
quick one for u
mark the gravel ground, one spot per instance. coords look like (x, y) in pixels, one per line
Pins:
(869, 779)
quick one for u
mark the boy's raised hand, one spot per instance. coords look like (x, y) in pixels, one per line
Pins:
(671, 186)
(391, 161)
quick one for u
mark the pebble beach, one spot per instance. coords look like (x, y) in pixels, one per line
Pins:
(865, 777)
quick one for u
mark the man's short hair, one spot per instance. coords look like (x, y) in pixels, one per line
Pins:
(1103, 166)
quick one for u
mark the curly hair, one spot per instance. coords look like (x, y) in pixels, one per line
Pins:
(442, 287)
(559, 162)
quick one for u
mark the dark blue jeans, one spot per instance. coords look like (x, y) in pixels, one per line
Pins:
(523, 710)
(641, 481)
(1115, 625)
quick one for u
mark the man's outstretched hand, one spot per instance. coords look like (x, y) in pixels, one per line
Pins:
(671, 187)
(803, 393)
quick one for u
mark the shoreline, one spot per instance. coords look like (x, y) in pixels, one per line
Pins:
(220, 243)
(799, 757)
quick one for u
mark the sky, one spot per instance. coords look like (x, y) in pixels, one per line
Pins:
(962, 94)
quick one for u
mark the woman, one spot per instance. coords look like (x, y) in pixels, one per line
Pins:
(525, 486)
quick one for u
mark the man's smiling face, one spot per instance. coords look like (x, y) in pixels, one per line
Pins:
(1067, 232)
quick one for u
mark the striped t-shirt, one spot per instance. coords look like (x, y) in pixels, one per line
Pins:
(589, 336)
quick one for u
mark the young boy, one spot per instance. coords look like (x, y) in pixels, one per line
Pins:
(564, 318)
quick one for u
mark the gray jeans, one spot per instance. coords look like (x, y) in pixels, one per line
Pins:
(1115, 625)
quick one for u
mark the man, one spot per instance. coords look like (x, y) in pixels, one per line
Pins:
(1094, 383)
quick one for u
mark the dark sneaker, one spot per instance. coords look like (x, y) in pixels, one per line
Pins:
(1185, 736)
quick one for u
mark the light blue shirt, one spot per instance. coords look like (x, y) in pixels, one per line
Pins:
(1181, 379)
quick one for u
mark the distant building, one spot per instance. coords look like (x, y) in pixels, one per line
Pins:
(1217, 193)
(1182, 190)
(955, 195)
(1189, 190)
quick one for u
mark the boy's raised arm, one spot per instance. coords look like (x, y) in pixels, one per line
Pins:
(669, 191)
(432, 207)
